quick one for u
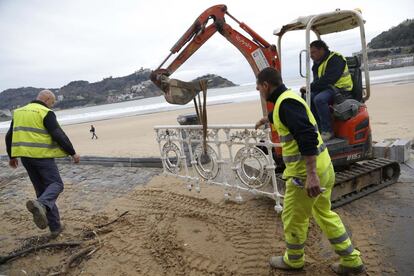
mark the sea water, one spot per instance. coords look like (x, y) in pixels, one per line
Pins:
(241, 93)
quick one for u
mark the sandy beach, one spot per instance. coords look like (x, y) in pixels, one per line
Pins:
(390, 109)
(167, 230)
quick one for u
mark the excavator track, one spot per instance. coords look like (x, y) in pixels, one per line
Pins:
(359, 180)
(363, 178)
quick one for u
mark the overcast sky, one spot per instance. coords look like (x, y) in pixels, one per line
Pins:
(48, 43)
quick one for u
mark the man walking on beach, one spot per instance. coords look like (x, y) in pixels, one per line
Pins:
(309, 178)
(329, 69)
(92, 130)
(36, 137)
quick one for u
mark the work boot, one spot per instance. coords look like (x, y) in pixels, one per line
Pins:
(347, 270)
(39, 213)
(279, 263)
(326, 136)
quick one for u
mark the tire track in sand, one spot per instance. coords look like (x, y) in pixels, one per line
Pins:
(192, 235)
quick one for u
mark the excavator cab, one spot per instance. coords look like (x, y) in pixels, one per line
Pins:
(350, 117)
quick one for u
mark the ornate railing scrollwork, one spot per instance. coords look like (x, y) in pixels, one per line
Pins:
(206, 164)
(237, 158)
(171, 153)
(251, 167)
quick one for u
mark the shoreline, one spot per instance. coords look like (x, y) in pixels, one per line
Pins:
(133, 135)
(403, 78)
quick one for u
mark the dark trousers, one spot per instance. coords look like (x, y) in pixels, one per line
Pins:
(47, 183)
(320, 108)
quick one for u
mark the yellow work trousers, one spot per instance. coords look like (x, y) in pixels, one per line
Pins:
(299, 207)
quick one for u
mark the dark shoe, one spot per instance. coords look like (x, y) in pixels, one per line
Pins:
(346, 270)
(279, 263)
(54, 234)
(39, 213)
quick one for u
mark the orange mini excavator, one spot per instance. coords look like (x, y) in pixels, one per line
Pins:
(357, 173)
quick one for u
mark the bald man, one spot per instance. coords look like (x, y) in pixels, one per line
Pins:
(37, 139)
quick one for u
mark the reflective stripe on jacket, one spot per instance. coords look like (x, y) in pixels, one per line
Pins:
(345, 81)
(294, 161)
(30, 137)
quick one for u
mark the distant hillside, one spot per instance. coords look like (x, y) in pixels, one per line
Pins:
(109, 90)
(393, 48)
(215, 81)
(11, 98)
(399, 36)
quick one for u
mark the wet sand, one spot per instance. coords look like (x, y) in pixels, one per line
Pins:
(390, 109)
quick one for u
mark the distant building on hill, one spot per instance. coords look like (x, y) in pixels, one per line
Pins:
(391, 62)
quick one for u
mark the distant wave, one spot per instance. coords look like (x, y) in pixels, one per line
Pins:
(392, 77)
(247, 84)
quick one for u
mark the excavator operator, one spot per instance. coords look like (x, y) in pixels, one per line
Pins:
(330, 74)
(309, 178)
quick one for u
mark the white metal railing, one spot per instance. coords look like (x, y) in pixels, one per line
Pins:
(235, 158)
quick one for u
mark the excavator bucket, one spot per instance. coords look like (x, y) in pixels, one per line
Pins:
(181, 92)
(175, 91)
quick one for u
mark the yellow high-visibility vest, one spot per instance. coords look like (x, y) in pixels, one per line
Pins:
(294, 161)
(345, 81)
(30, 137)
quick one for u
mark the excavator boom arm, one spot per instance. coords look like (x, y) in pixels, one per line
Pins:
(257, 51)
